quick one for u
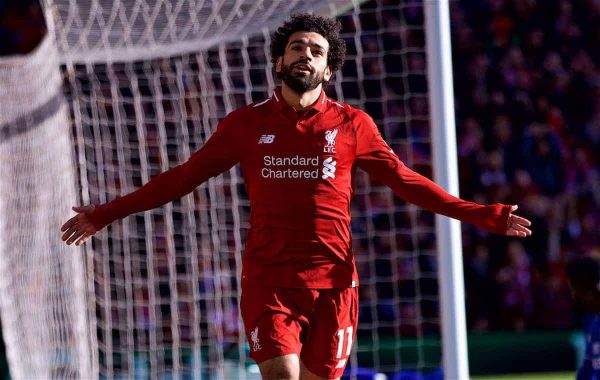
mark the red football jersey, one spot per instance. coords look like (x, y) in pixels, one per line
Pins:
(298, 170)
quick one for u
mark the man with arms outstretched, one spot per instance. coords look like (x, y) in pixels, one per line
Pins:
(298, 151)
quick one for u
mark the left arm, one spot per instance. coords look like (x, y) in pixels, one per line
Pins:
(375, 157)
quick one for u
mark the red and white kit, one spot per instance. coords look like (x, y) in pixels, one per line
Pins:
(298, 169)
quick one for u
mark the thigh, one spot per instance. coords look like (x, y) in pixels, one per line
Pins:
(285, 367)
(305, 374)
(274, 328)
(332, 332)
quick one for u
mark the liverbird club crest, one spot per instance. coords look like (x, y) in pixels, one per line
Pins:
(255, 341)
(330, 141)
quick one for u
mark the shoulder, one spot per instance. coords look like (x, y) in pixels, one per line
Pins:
(354, 115)
(253, 108)
(260, 104)
(240, 117)
(358, 118)
(239, 113)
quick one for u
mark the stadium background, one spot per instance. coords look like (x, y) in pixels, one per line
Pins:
(527, 87)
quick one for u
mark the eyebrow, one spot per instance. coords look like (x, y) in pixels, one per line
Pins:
(304, 43)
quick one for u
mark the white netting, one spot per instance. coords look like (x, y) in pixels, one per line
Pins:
(101, 30)
(146, 85)
(166, 281)
(42, 281)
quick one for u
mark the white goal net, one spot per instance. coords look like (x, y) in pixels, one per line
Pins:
(156, 295)
(43, 305)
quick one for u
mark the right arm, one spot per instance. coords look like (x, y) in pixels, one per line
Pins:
(375, 157)
(222, 150)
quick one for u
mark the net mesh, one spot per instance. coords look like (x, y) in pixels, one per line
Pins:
(101, 30)
(42, 282)
(146, 84)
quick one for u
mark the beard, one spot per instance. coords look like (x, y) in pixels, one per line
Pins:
(299, 82)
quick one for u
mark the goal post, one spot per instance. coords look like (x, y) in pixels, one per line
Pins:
(156, 295)
(445, 173)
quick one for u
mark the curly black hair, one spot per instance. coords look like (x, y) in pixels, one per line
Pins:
(329, 28)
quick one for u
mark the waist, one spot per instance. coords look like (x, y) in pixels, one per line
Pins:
(307, 274)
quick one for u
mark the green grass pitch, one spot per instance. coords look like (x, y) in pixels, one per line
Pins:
(529, 376)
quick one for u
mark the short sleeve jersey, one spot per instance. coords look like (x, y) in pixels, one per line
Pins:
(298, 168)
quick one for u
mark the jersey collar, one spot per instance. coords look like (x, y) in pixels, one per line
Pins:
(280, 103)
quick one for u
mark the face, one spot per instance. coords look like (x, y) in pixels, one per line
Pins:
(303, 66)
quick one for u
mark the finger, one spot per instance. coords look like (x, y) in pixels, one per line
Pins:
(82, 239)
(69, 232)
(518, 230)
(90, 229)
(513, 232)
(521, 228)
(75, 236)
(514, 208)
(520, 220)
(74, 220)
(69, 239)
(83, 209)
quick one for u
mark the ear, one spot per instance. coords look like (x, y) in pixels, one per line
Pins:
(278, 63)
(327, 74)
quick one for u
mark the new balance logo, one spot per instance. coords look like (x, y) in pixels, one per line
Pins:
(255, 341)
(266, 139)
(329, 168)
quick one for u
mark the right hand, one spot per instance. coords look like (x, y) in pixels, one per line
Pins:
(79, 228)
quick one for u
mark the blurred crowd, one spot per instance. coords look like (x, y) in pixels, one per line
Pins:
(527, 85)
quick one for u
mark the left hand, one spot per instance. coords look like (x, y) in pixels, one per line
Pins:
(517, 226)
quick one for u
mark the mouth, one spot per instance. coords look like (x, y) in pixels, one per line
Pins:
(302, 67)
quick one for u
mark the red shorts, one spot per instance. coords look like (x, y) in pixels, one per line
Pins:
(319, 325)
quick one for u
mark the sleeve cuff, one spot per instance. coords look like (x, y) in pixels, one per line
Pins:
(498, 221)
(102, 216)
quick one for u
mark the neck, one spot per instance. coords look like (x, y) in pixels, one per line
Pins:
(300, 102)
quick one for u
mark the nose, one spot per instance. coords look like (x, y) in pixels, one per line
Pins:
(306, 53)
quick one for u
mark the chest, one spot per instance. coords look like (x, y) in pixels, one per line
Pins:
(317, 136)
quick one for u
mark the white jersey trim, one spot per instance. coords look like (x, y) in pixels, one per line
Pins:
(261, 103)
(336, 103)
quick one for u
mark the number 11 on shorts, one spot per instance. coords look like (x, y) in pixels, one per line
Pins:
(340, 348)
